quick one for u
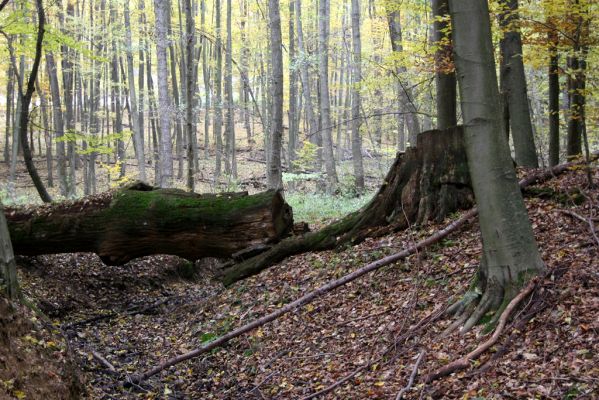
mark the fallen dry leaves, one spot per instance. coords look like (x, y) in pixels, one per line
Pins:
(140, 314)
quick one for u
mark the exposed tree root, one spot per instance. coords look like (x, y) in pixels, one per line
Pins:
(464, 362)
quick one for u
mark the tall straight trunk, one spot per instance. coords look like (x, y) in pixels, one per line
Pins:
(141, 79)
(406, 98)
(314, 134)
(58, 123)
(510, 255)
(325, 103)
(47, 135)
(553, 99)
(69, 99)
(15, 129)
(513, 85)
(444, 73)
(230, 161)
(218, 109)
(190, 80)
(293, 114)
(161, 9)
(274, 170)
(115, 95)
(207, 85)
(10, 90)
(138, 137)
(356, 139)
(245, 55)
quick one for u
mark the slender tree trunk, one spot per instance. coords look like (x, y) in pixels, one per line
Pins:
(58, 124)
(69, 99)
(444, 70)
(47, 134)
(553, 99)
(230, 160)
(513, 83)
(406, 98)
(292, 143)
(274, 170)
(115, 95)
(190, 80)
(161, 9)
(245, 55)
(135, 113)
(10, 90)
(325, 103)
(510, 256)
(218, 106)
(356, 139)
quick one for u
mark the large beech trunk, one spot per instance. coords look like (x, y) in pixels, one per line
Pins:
(424, 183)
(141, 220)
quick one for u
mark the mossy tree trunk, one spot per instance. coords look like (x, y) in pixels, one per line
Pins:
(141, 220)
(424, 183)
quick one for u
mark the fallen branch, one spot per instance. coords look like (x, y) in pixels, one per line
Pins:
(104, 362)
(588, 221)
(311, 296)
(412, 377)
(464, 362)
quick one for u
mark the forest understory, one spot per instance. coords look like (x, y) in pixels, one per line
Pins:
(119, 321)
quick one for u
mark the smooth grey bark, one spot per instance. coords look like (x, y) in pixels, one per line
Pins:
(356, 139)
(136, 128)
(292, 143)
(115, 96)
(510, 256)
(406, 98)
(58, 123)
(69, 99)
(445, 81)
(245, 55)
(230, 159)
(325, 102)
(9, 283)
(513, 86)
(47, 133)
(10, 89)
(161, 10)
(553, 91)
(190, 82)
(274, 170)
(217, 103)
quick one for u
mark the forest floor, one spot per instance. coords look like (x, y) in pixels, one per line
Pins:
(133, 317)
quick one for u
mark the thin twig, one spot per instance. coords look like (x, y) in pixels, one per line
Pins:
(412, 377)
(103, 361)
(588, 221)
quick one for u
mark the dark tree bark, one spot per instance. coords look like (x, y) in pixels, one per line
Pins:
(142, 220)
(513, 87)
(427, 182)
(553, 99)
(445, 73)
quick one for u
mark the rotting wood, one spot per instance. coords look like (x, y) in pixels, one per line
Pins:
(140, 220)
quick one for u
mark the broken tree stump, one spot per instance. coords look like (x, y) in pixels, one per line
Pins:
(141, 220)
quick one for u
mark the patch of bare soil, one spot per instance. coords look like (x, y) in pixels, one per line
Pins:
(364, 338)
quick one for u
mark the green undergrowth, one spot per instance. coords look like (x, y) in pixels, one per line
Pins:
(317, 207)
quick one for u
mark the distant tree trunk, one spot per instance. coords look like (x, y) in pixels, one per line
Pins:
(513, 84)
(47, 134)
(313, 132)
(230, 160)
(58, 123)
(293, 119)
(444, 70)
(553, 98)
(218, 102)
(325, 103)
(510, 256)
(274, 170)
(135, 112)
(207, 86)
(161, 9)
(9, 284)
(190, 82)
(115, 95)
(356, 142)
(406, 98)
(68, 83)
(245, 55)
(10, 90)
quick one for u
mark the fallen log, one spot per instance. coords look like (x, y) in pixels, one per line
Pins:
(141, 220)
